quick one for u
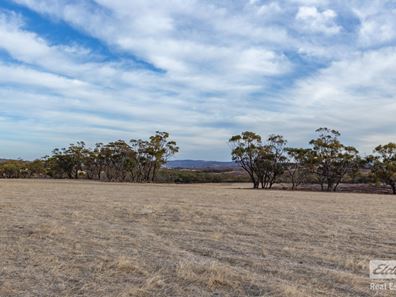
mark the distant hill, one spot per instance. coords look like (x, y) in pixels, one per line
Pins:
(200, 164)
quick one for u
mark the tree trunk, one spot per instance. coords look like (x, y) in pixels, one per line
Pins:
(154, 172)
(293, 181)
(255, 182)
(336, 186)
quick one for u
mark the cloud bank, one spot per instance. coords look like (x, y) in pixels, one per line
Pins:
(201, 70)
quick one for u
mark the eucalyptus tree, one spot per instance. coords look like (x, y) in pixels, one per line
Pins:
(383, 164)
(60, 164)
(246, 149)
(296, 167)
(95, 162)
(160, 148)
(78, 154)
(271, 161)
(330, 160)
(137, 161)
(140, 170)
(118, 155)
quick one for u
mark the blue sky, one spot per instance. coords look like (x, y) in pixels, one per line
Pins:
(101, 70)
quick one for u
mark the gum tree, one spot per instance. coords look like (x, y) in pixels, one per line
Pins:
(160, 148)
(245, 152)
(296, 168)
(330, 160)
(383, 164)
(271, 161)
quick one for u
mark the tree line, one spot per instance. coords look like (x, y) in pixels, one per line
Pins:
(135, 161)
(327, 160)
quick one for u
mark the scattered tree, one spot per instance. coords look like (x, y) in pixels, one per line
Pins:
(136, 161)
(296, 168)
(330, 160)
(271, 161)
(383, 164)
(159, 150)
(246, 149)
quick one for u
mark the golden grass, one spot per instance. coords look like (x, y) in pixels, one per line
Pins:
(65, 238)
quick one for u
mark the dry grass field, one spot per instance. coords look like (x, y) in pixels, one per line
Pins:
(62, 238)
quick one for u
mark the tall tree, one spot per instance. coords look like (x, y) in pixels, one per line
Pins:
(141, 169)
(330, 160)
(246, 149)
(78, 154)
(160, 148)
(118, 154)
(296, 168)
(95, 162)
(60, 164)
(383, 164)
(271, 161)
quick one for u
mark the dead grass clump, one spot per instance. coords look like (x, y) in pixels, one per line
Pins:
(212, 274)
(355, 264)
(151, 285)
(130, 265)
(49, 230)
(290, 290)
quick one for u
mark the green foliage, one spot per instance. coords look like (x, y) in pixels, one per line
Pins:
(271, 161)
(22, 169)
(12, 169)
(330, 160)
(245, 151)
(264, 163)
(296, 168)
(136, 161)
(383, 164)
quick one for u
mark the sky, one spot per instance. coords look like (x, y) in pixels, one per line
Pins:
(202, 70)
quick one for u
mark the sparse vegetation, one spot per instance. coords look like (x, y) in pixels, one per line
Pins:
(296, 169)
(80, 238)
(327, 163)
(138, 161)
(383, 164)
(330, 160)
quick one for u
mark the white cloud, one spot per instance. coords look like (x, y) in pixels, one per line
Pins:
(227, 66)
(357, 96)
(378, 23)
(258, 61)
(311, 19)
(267, 10)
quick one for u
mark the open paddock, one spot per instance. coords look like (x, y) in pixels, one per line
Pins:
(78, 238)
